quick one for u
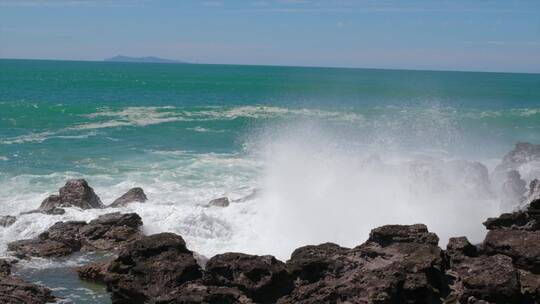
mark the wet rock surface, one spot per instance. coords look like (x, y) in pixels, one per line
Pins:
(14, 290)
(134, 195)
(108, 232)
(7, 220)
(75, 193)
(151, 267)
(219, 202)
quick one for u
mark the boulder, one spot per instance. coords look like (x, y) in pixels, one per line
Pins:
(459, 249)
(530, 286)
(108, 232)
(7, 220)
(197, 293)
(133, 195)
(262, 278)
(75, 193)
(13, 290)
(219, 202)
(398, 264)
(151, 267)
(95, 272)
(534, 191)
(489, 278)
(521, 245)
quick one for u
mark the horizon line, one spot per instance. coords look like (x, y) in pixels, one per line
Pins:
(271, 65)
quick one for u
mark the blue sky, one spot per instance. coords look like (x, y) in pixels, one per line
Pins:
(410, 34)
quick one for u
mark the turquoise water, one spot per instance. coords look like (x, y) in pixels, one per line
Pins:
(325, 145)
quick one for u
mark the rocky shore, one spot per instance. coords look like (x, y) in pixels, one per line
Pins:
(397, 263)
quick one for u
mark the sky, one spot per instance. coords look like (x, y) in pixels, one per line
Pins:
(478, 35)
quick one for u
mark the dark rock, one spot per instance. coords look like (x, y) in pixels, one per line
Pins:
(390, 234)
(534, 191)
(196, 293)
(108, 232)
(75, 193)
(16, 291)
(398, 264)
(219, 202)
(263, 278)
(530, 286)
(521, 245)
(151, 267)
(459, 249)
(489, 278)
(312, 263)
(133, 195)
(95, 272)
(7, 220)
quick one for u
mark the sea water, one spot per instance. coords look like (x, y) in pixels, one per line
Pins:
(331, 153)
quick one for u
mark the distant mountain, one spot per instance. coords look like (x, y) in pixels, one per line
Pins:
(121, 58)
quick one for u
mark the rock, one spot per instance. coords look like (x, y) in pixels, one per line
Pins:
(133, 195)
(263, 278)
(398, 264)
(459, 249)
(489, 278)
(219, 202)
(7, 220)
(13, 290)
(151, 267)
(75, 193)
(95, 272)
(312, 263)
(108, 232)
(521, 245)
(530, 286)
(534, 191)
(196, 293)
(390, 234)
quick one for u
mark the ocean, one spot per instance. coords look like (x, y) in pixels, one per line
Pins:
(331, 152)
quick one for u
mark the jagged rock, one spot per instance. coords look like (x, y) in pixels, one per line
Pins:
(263, 278)
(108, 232)
(311, 263)
(75, 193)
(390, 234)
(7, 220)
(197, 293)
(153, 266)
(530, 286)
(13, 290)
(534, 191)
(521, 245)
(133, 195)
(488, 278)
(398, 264)
(459, 249)
(219, 202)
(95, 272)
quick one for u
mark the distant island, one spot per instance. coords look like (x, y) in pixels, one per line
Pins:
(121, 58)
